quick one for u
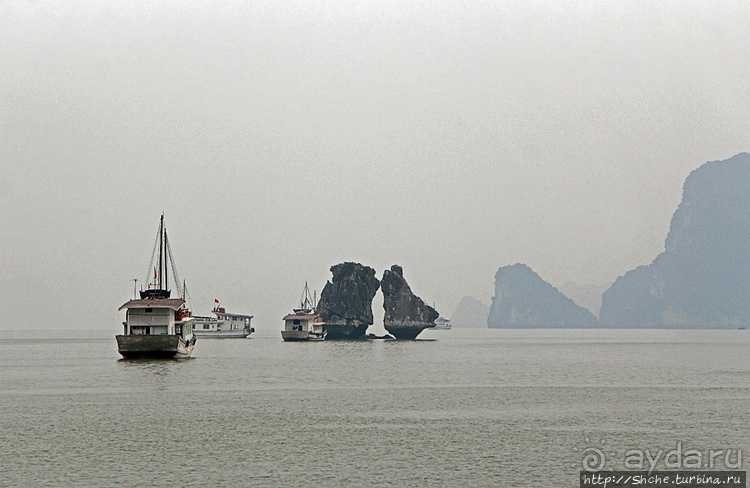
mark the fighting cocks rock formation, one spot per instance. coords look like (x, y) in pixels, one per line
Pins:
(406, 315)
(346, 301)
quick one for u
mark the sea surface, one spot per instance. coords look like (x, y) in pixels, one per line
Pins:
(460, 408)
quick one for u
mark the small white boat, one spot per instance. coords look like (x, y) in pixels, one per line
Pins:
(156, 325)
(441, 324)
(224, 326)
(304, 324)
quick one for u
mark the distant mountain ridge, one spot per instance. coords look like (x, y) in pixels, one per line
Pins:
(524, 300)
(702, 279)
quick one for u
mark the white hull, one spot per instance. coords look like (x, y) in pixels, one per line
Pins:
(222, 334)
(301, 335)
(154, 346)
(185, 350)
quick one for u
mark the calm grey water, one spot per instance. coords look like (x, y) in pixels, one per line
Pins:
(498, 408)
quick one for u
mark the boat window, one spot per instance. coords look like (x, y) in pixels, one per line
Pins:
(296, 322)
(149, 310)
(206, 326)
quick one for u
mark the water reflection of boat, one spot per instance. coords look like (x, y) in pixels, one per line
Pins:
(157, 325)
(304, 324)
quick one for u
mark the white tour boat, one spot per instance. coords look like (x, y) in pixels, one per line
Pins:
(224, 326)
(157, 325)
(304, 324)
(441, 324)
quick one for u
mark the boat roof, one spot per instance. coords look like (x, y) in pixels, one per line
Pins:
(204, 318)
(233, 314)
(298, 316)
(173, 303)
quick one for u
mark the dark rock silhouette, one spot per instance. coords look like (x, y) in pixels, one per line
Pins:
(375, 336)
(406, 315)
(702, 279)
(470, 312)
(524, 300)
(346, 301)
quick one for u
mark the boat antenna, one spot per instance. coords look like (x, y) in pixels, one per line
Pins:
(135, 287)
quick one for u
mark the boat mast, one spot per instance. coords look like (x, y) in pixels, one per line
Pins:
(307, 302)
(160, 282)
(161, 248)
(166, 270)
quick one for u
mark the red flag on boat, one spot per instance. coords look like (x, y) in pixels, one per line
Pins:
(154, 273)
(216, 300)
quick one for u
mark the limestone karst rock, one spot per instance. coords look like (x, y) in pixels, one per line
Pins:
(406, 315)
(346, 301)
(524, 300)
(702, 279)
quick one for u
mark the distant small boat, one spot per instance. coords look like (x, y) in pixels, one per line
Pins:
(304, 324)
(156, 325)
(441, 324)
(224, 326)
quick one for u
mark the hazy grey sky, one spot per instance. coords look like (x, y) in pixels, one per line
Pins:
(280, 138)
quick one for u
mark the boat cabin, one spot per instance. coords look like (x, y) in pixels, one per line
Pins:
(156, 316)
(229, 321)
(304, 322)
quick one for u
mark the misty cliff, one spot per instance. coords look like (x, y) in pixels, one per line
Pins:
(702, 279)
(470, 312)
(524, 300)
(587, 296)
